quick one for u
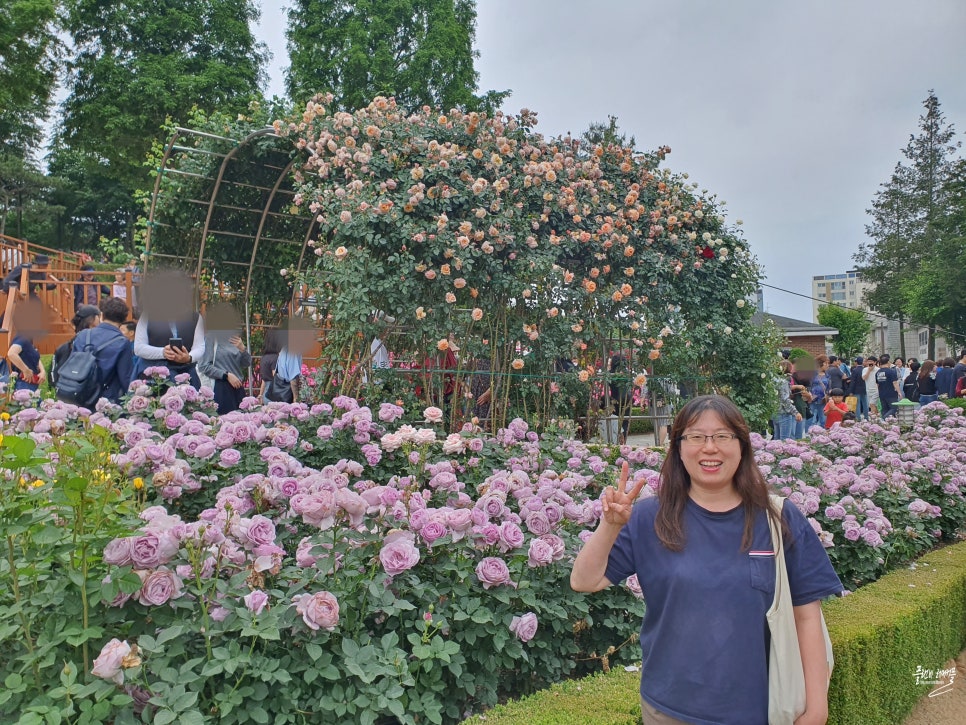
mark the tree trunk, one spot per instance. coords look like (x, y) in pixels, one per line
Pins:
(931, 350)
(902, 339)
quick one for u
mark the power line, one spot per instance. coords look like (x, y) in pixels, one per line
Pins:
(912, 323)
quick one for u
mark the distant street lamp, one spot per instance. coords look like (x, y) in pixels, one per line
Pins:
(906, 413)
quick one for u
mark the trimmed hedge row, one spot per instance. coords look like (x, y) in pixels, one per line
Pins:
(914, 617)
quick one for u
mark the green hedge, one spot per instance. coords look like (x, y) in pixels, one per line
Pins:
(880, 633)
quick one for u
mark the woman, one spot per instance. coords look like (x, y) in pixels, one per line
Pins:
(901, 372)
(910, 388)
(266, 365)
(298, 338)
(86, 318)
(22, 355)
(945, 385)
(226, 362)
(788, 414)
(801, 398)
(928, 391)
(700, 550)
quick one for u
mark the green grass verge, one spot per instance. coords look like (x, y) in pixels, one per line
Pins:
(880, 634)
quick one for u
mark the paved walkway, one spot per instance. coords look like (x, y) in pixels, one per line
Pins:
(948, 708)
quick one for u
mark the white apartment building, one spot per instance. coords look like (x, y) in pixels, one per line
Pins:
(848, 289)
(843, 289)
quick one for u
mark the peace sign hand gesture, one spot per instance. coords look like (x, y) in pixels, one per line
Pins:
(618, 502)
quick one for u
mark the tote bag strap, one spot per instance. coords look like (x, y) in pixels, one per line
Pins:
(781, 574)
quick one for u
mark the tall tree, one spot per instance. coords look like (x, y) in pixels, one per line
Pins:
(419, 51)
(906, 215)
(138, 62)
(853, 326)
(889, 260)
(28, 46)
(935, 294)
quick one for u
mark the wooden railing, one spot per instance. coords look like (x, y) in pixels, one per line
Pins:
(56, 289)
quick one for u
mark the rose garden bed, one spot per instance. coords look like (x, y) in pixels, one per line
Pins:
(349, 563)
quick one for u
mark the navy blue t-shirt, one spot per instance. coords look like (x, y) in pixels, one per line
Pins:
(704, 637)
(884, 379)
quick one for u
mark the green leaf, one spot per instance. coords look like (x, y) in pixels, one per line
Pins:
(163, 717)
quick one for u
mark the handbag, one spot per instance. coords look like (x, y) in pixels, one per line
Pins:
(279, 390)
(786, 677)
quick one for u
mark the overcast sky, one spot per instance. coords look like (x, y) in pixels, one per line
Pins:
(792, 112)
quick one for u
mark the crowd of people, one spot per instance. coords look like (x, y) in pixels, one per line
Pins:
(828, 391)
(164, 330)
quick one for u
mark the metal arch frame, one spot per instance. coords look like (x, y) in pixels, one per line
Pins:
(172, 147)
(268, 130)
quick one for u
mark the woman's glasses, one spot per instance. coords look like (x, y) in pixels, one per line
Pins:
(698, 439)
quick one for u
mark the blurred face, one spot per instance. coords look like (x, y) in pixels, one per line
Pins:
(710, 463)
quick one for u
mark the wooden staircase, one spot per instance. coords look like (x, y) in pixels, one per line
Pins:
(63, 274)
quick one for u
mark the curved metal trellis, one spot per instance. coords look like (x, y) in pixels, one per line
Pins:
(185, 150)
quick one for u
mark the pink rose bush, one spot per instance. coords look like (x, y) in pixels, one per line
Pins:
(333, 555)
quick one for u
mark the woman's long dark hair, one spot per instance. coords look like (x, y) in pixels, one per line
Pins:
(676, 482)
(927, 367)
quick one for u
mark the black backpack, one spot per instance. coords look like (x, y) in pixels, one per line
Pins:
(79, 377)
(910, 387)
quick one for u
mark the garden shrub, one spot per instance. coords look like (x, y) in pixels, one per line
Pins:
(341, 563)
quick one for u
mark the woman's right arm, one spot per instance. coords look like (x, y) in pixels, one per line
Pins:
(16, 362)
(591, 563)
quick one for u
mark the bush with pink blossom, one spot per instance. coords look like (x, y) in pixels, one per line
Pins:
(339, 561)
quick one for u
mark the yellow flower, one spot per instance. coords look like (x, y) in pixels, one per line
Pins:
(138, 483)
(4, 416)
(37, 483)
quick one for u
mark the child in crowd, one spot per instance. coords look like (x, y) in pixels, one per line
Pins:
(835, 408)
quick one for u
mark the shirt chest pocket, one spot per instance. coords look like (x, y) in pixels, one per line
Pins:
(762, 570)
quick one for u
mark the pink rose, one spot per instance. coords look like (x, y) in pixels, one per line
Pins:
(159, 586)
(399, 555)
(108, 664)
(540, 553)
(538, 523)
(256, 601)
(433, 414)
(256, 531)
(229, 457)
(524, 627)
(319, 610)
(433, 530)
(118, 552)
(492, 572)
(151, 551)
(511, 536)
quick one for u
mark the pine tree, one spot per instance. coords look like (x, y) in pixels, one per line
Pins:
(906, 214)
(419, 51)
(889, 260)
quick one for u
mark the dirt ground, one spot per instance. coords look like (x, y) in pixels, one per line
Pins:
(948, 708)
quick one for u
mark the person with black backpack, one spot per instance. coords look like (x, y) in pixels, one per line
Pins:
(910, 386)
(101, 363)
(86, 317)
